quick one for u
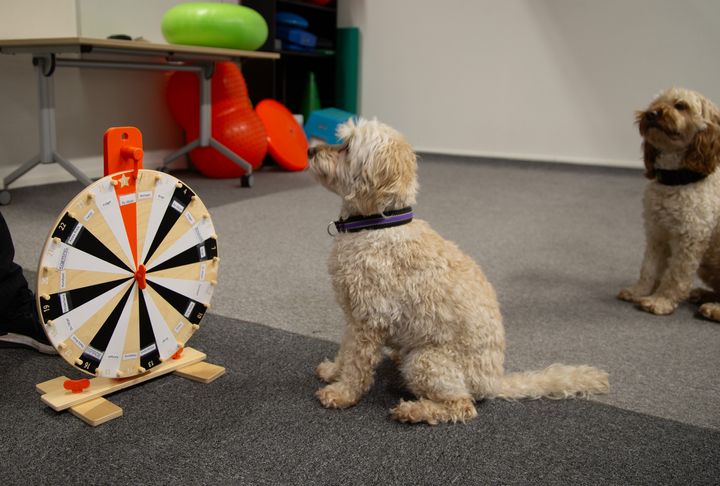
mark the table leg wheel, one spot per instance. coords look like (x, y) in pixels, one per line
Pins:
(5, 198)
(246, 180)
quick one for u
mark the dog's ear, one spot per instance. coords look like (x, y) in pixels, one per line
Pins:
(708, 111)
(345, 130)
(639, 118)
(650, 153)
(387, 178)
(703, 153)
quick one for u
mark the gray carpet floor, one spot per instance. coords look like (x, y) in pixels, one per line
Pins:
(558, 242)
(259, 424)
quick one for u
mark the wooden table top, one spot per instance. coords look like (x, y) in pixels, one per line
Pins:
(59, 45)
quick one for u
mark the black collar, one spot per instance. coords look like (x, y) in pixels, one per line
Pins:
(388, 219)
(679, 177)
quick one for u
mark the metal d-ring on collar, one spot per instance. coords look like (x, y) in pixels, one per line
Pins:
(388, 219)
(329, 231)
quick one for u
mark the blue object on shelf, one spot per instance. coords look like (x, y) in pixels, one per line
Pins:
(291, 20)
(297, 36)
(321, 124)
(289, 46)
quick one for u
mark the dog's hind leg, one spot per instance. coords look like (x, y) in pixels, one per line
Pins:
(709, 273)
(709, 303)
(352, 371)
(711, 310)
(700, 295)
(439, 384)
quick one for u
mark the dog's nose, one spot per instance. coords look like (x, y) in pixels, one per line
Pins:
(652, 116)
(311, 152)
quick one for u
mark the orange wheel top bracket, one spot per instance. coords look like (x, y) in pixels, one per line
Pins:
(123, 156)
(76, 386)
(123, 150)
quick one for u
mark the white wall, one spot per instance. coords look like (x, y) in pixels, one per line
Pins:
(136, 18)
(534, 79)
(37, 18)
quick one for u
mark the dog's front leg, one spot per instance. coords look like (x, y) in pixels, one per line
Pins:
(676, 281)
(329, 371)
(657, 252)
(353, 368)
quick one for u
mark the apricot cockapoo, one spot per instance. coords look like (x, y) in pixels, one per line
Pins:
(403, 287)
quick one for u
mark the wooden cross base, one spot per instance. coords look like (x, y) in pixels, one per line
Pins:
(90, 406)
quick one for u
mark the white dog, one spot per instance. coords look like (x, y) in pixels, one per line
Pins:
(403, 286)
(681, 145)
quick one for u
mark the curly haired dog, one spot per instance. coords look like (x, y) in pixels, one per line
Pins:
(404, 287)
(681, 147)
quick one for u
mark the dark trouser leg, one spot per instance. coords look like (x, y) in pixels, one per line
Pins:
(11, 276)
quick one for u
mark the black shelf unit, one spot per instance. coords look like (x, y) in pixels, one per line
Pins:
(286, 79)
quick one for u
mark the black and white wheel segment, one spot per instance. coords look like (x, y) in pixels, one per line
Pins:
(127, 273)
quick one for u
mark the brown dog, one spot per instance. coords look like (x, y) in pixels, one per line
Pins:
(681, 147)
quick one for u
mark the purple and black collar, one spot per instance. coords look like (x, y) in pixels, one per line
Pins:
(389, 219)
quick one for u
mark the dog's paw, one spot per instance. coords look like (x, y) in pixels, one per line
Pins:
(710, 310)
(337, 395)
(630, 294)
(657, 305)
(327, 371)
(432, 413)
(412, 412)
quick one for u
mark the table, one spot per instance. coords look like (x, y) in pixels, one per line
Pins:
(50, 53)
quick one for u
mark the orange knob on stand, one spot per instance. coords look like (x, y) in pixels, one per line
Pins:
(134, 153)
(76, 386)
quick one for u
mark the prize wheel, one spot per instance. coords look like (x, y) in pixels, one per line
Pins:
(129, 268)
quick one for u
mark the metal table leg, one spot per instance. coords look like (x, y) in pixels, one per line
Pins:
(205, 138)
(44, 70)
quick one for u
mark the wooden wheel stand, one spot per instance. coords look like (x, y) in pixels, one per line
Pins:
(90, 406)
(138, 334)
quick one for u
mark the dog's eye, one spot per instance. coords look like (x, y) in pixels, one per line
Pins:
(681, 106)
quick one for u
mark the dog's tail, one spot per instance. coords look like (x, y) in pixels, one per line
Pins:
(557, 381)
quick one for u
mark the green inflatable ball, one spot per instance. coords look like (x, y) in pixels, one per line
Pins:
(214, 25)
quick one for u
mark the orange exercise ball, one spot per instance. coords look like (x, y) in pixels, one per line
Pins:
(240, 130)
